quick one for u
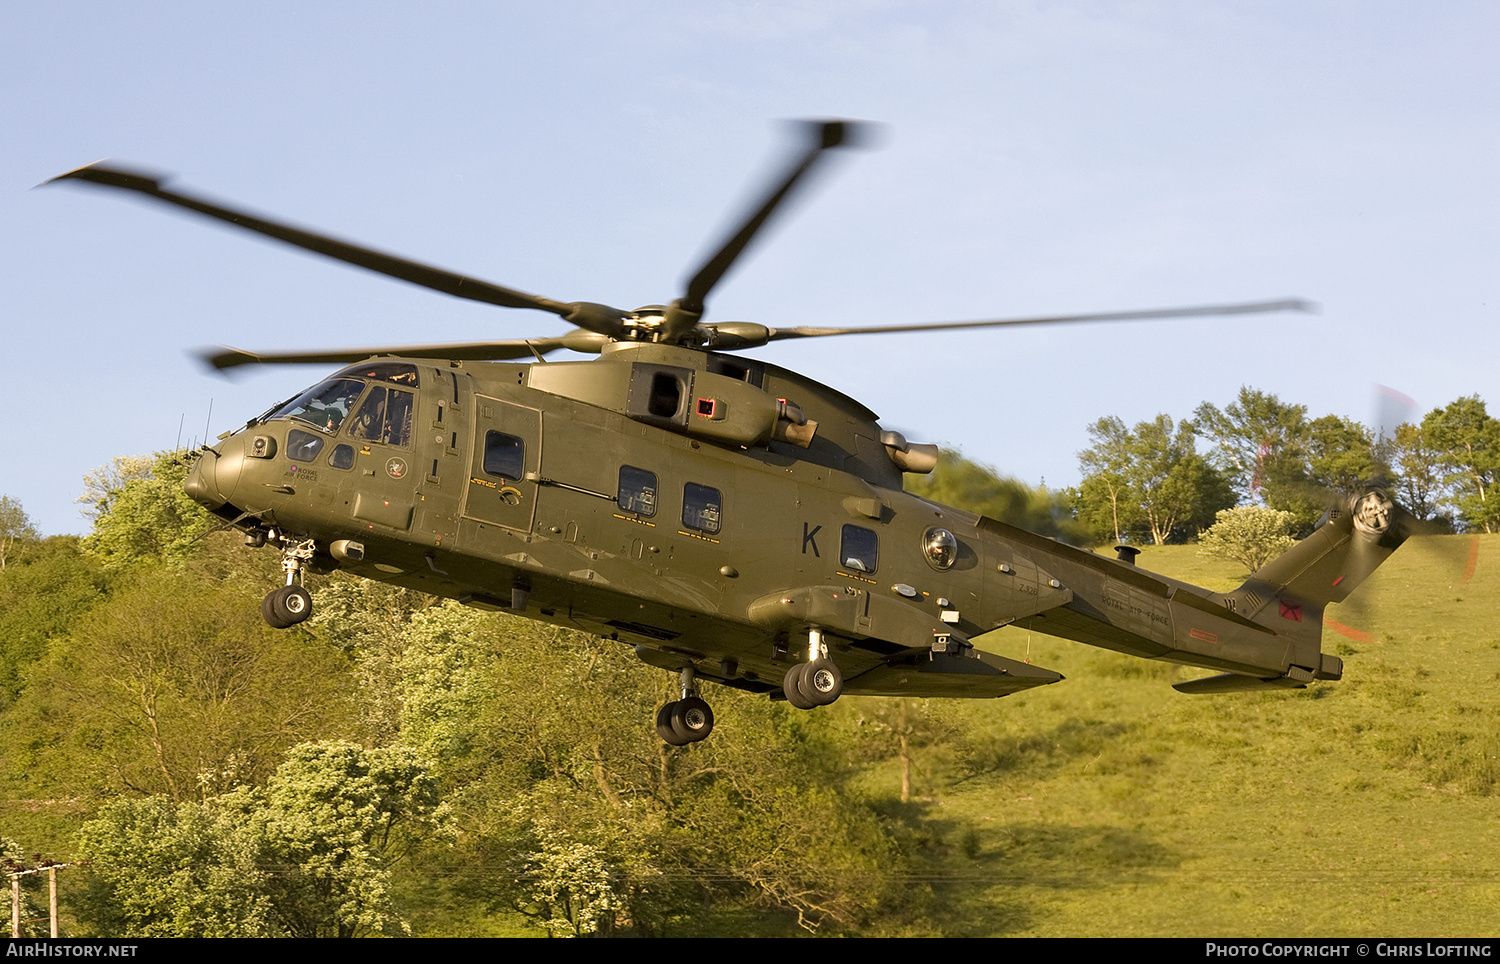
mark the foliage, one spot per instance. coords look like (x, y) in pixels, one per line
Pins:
(1418, 479)
(903, 727)
(1147, 482)
(1250, 535)
(161, 869)
(308, 855)
(103, 486)
(148, 516)
(368, 621)
(1261, 444)
(15, 524)
(174, 685)
(1342, 455)
(572, 885)
(1467, 440)
(48, 587)
(329, 824)
(965, 484)
(553, 769)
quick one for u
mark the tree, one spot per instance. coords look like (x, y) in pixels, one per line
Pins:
(148, 516)
(103, 486)
(1418, 472)
(1260, 443)
(14, 525)
(46, 589)
(307, 855)
(1148, 481)
(1250, 535)
(1106, 501)
(572, 886)
(328, 826)
(552, 767)
(965, 484)
(1467, 441)
(174, 685)
(1342, 456)
(161, 869)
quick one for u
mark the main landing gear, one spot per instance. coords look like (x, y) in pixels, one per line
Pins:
(816, 682)
(687, 720)
(290, 604)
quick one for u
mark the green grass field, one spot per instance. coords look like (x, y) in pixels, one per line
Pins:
(1111, 805)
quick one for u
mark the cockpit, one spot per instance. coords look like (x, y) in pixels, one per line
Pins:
(371, 403)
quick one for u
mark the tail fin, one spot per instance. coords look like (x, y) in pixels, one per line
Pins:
(1288, 594)
(1351, 542)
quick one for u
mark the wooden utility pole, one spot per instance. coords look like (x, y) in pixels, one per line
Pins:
(15, 871)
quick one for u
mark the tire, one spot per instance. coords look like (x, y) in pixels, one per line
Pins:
(792, 685)
(268, 610)
(822, 683)
(692, 720)
(664, 726)
(286, 606)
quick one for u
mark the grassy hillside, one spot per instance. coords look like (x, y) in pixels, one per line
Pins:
(1109, 804)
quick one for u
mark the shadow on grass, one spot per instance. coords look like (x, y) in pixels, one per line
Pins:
(1018, 873)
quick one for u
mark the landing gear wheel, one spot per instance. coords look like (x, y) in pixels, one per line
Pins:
(268, 611)
(692, 720)
(792, 686)
(286, 606)
(664, 728)
(821, 682)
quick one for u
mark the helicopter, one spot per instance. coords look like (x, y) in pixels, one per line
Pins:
(734, 521)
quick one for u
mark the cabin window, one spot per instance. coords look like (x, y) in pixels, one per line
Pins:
(701, 506)
(504, 455)
(637, 491)
(303, 446)
(342, 457)
(385, 416)
(859, 549)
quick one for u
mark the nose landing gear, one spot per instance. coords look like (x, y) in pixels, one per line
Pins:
(291, 603)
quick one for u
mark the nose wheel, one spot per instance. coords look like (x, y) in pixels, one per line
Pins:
(291, 603)
(687, 720)
(286, 607)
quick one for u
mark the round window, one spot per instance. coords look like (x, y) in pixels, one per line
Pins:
(940, 548)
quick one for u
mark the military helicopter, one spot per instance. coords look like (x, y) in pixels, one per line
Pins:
(734, 521)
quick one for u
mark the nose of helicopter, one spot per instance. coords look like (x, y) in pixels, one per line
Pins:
(212, 479)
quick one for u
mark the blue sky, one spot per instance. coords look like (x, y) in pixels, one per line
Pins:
(1036, 158)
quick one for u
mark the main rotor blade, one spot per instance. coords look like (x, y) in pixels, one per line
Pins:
(457, 285)
(225, 358)
(1286, 304)
(821, 136)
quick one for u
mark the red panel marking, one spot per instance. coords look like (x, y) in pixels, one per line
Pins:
(1291, 611)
